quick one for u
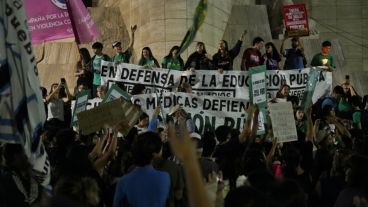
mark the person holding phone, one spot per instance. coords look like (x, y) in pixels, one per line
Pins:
(349, 90)
(55, 102)
(177, 113)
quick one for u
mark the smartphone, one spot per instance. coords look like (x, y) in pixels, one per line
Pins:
(62, 80)
(347, 77)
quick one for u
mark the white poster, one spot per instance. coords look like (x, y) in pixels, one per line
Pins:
(207, 112)
(283, 123)
(209, 82)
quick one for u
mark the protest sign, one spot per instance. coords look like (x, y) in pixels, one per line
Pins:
(258, 95)
(283, 123)
(91, 103)
(297, 80)
(258, 85)
(207, 112)
(296, 20)
(208, 82)
(114, 93)
(115, 112)
(79, 105)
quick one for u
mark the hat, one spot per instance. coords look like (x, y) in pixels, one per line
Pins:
(116, 43)
(197, 138)
(174, 109)
(195, 135)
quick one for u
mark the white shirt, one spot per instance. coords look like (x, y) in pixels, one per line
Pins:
(55, 109)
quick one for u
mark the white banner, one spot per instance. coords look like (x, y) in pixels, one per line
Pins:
(207, 112)
(209, 82)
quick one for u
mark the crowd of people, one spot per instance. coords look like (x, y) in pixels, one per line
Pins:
(88, 68)
(166, 161)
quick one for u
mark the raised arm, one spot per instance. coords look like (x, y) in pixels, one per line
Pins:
(300, 45)
(282, 51)
(341, 128)
(49, 97)
(255, 124)
(315, 130)
(132, 30)
(247, 128)
(183, 148)
(310, 130)
(101, 162)
(236, 49)
(68, 94)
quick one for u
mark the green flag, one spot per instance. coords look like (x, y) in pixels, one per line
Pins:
(309, 90)
(198, 19)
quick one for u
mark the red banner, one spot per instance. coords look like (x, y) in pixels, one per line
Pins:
(296, 20)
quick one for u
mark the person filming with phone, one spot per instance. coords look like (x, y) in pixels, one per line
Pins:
(59, 95)
(177, 113)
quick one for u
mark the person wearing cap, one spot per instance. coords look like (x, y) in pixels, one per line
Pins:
(177, 113)
(295, 58)
(120, 56)
(196, 138)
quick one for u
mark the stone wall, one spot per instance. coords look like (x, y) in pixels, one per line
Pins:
(163, 23)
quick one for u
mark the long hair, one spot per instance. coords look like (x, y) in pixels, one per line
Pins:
(169, 56)
(278, 94)
(143, 60)
(52, 86)
(204, 47)
(226, 49)
(85, 57)
(274, 54)
(150, 55)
